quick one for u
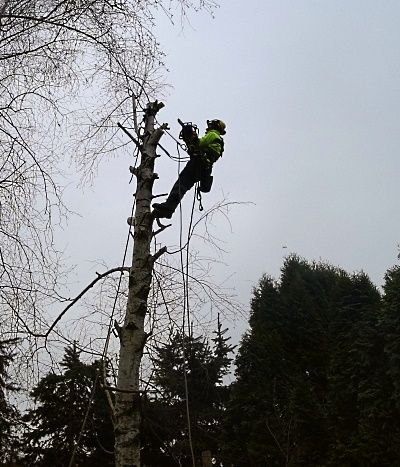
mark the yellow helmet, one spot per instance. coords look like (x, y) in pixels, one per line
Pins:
(218, 125)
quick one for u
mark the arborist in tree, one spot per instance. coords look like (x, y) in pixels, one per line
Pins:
(203, 153)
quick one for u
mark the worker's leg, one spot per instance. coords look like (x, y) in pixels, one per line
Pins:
(187, 178)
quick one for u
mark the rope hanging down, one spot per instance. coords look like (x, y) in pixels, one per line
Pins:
(186, 315)
(186, 308)
(109, 330)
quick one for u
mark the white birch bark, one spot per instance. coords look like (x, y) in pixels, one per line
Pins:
(132, 334)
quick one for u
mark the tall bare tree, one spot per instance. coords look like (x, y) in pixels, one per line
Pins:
(132, 333)
(69, 71)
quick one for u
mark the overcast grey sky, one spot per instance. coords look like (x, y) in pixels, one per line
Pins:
(310, 93)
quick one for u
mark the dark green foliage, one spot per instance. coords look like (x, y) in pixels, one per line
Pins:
(8, 413)
(312, 384)
(390, 323)
(56, 421)
(357, 372)
(165, 419)
(318, 385)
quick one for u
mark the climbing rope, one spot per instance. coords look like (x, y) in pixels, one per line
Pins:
(109, 330)
(186, 315)
(186, 307)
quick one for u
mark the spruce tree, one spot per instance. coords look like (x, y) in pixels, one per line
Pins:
(57, 419)
(390, 325)
(356, 373)
(309, 370)
(165, 418)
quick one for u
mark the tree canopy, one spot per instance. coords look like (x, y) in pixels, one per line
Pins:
(316, 372)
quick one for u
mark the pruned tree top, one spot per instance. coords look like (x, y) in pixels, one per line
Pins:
(69, 72)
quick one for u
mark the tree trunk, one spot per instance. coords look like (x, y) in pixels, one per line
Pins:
(132, 334)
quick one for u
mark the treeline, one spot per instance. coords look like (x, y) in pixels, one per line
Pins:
(318, 372)
(317, 384)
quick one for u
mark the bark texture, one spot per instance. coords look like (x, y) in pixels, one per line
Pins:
(132, 334)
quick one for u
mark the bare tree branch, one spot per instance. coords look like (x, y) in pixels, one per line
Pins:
(79, 296)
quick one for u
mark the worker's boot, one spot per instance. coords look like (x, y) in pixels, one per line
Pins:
(163, 210)
(160, 210)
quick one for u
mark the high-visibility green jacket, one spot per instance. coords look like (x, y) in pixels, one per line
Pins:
(212, 145)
